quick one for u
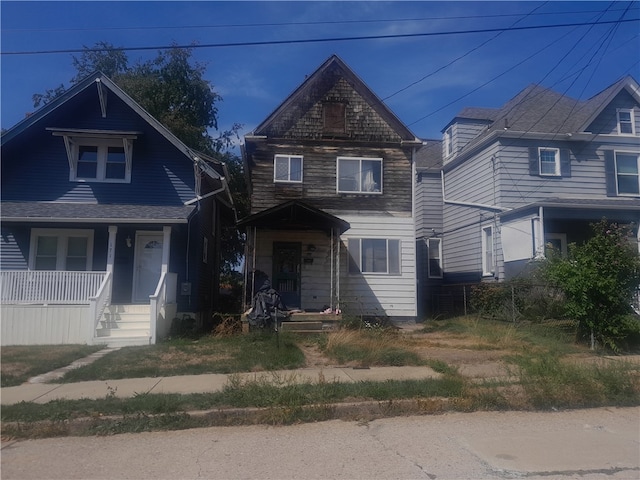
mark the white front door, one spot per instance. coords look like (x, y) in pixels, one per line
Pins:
(147, 265)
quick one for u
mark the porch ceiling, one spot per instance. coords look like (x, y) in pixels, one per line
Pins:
(295, 215)
(586, 208)
(93, 213)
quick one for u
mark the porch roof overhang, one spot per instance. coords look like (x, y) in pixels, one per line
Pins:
(295, 215)
(41, 212)
(588, 208)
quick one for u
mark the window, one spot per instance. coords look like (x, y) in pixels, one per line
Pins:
(626, 124)
(287, 168)
(488, 267)
(549, 161)
(448, 141)
(99, 160)
(627, 173)
(434, 247)
(555, 243)
(334, 119)
(359, 175)
(374, 255)
(69, 250)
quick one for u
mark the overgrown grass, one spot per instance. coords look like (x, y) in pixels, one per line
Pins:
(19, 363)
(369, 347)
(549, 336)
(239, 353)
(551, 382)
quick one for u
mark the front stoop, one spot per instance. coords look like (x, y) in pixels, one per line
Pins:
(304, 322)
(124, 325)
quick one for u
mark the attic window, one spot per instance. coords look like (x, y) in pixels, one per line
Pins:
(334, 118)
(626, 124)
(98, 156)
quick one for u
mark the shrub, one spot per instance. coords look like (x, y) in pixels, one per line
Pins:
(600, 279)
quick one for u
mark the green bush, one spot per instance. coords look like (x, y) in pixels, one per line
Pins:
(600, 279)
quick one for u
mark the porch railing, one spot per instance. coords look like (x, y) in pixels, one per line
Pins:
(165, 294)
(48, 287)
(99, 302)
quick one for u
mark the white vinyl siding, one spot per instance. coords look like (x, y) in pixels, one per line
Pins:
(379, 294)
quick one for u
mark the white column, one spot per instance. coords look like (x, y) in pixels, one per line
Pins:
(166, 248)
(111, 247)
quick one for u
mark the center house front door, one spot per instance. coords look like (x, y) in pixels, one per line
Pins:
(286, 272)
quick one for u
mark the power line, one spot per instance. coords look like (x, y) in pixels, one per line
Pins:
(322, 40)
(285, 24)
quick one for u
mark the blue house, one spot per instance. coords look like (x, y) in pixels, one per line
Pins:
(110, 224)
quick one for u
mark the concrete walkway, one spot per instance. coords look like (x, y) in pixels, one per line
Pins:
(38, 392)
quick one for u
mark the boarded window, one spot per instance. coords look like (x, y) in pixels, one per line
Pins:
(334, 118)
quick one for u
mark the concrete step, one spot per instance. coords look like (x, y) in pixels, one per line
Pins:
(298, 326)
(116, 342)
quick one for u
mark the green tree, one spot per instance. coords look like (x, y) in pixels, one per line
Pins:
(600, 279)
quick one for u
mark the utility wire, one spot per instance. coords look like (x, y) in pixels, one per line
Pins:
(286, 24)
(464, 55)
(323, 40)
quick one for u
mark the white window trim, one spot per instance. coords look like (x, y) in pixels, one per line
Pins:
(387, 240)
(563, 241)
(360, 159)
(73, 149)
(488, 270)
(288, 180)
(61, 254)
(615, 164)
(632, 119)
(448, 142)
(557, 162)
(439, 247)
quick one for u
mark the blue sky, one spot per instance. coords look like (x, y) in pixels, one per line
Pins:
(424, 79)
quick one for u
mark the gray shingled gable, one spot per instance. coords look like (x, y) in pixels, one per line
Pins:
(429, 156)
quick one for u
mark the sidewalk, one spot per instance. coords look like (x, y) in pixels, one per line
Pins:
(184, 384)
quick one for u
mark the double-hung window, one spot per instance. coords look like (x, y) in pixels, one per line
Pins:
(488, 267)
(627, 173)
(434, 248)
(549, 161)
(287, 169)
(98, 155)
(359, 175)
(52, 249)
(101, 161)
(374, 255)
(626, 122)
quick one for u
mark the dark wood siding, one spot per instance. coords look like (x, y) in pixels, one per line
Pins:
(318, 187)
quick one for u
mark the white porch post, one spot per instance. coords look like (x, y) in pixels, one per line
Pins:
(111, 247)
(166, 248)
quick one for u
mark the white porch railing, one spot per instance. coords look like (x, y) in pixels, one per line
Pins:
(49, 287)
(165, 294)
(99, 302)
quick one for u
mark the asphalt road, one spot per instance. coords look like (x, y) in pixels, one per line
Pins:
(579, 444)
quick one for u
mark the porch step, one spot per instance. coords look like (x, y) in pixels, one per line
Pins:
(124, 325)
(301, 326)
(112, 342)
